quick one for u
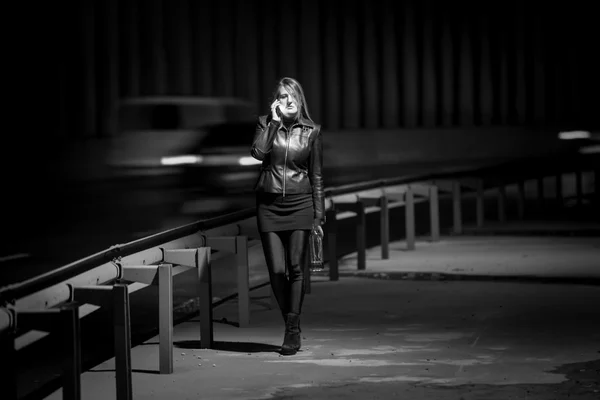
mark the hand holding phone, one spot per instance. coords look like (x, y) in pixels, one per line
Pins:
(275, 111)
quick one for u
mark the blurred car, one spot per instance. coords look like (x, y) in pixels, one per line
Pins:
(194, 151)
(203, 141)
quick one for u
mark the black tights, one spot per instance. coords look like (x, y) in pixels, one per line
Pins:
(287, 249)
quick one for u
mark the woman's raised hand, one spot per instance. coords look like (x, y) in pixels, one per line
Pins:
(274, 107)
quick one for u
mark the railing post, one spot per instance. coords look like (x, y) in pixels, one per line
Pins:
(501, 203)
(331, 226)
(521, 199)
(456, 209)
(237, 245)
(361, 236)
(243, 280)
(116, 297)
(8, 363)
(205, 297)
(198, 258)
(409, 207)
(384, 223)
(122, 332)
(70, 333)
(165, 318)
(480, 212)
(434, 213)
(64, 321)
(162, 275)
(71, 339)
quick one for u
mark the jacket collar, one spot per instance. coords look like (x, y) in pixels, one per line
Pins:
(301, 121)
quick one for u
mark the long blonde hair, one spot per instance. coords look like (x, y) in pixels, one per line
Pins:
(294, 88)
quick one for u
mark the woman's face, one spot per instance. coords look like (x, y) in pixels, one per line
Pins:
(289, 105)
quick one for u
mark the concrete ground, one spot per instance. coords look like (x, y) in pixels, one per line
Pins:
(520, 258)
(402, 337)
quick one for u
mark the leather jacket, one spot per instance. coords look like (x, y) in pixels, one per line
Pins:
(291, 161)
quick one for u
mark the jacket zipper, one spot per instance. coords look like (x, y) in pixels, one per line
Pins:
(287, 146)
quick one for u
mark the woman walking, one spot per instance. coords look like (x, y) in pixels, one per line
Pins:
(289, 198)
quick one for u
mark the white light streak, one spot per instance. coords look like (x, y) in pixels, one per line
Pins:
(181, 160)
(570, 135)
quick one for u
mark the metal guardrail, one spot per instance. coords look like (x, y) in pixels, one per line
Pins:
(58, 299)
(15, 291)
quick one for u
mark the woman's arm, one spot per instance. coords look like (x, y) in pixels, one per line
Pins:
(263, 138)
(315, 167)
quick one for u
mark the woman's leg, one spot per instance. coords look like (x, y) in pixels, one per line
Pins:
(273, 248)
(297, 248)
(297, 257)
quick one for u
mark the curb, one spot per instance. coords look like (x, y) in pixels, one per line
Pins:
(439, 276)
(592, 232)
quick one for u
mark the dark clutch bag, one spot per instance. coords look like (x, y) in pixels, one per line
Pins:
(316, 250)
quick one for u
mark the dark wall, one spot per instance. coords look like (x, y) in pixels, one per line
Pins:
(363, 64)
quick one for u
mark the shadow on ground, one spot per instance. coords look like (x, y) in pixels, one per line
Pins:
(238, 347)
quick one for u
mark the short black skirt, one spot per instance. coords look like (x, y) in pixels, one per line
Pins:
(275, 212)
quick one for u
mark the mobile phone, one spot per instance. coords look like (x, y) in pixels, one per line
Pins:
(278, 111)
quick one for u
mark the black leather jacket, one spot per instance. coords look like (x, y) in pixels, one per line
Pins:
(291, 161)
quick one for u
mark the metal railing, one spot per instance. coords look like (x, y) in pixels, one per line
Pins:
(57, 300)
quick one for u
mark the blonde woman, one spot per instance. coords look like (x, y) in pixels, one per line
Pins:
(289, 198)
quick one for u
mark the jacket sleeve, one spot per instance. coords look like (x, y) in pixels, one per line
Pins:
(315, 167)
(263, 138)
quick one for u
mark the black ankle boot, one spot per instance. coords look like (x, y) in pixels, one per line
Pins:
(291, 340)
